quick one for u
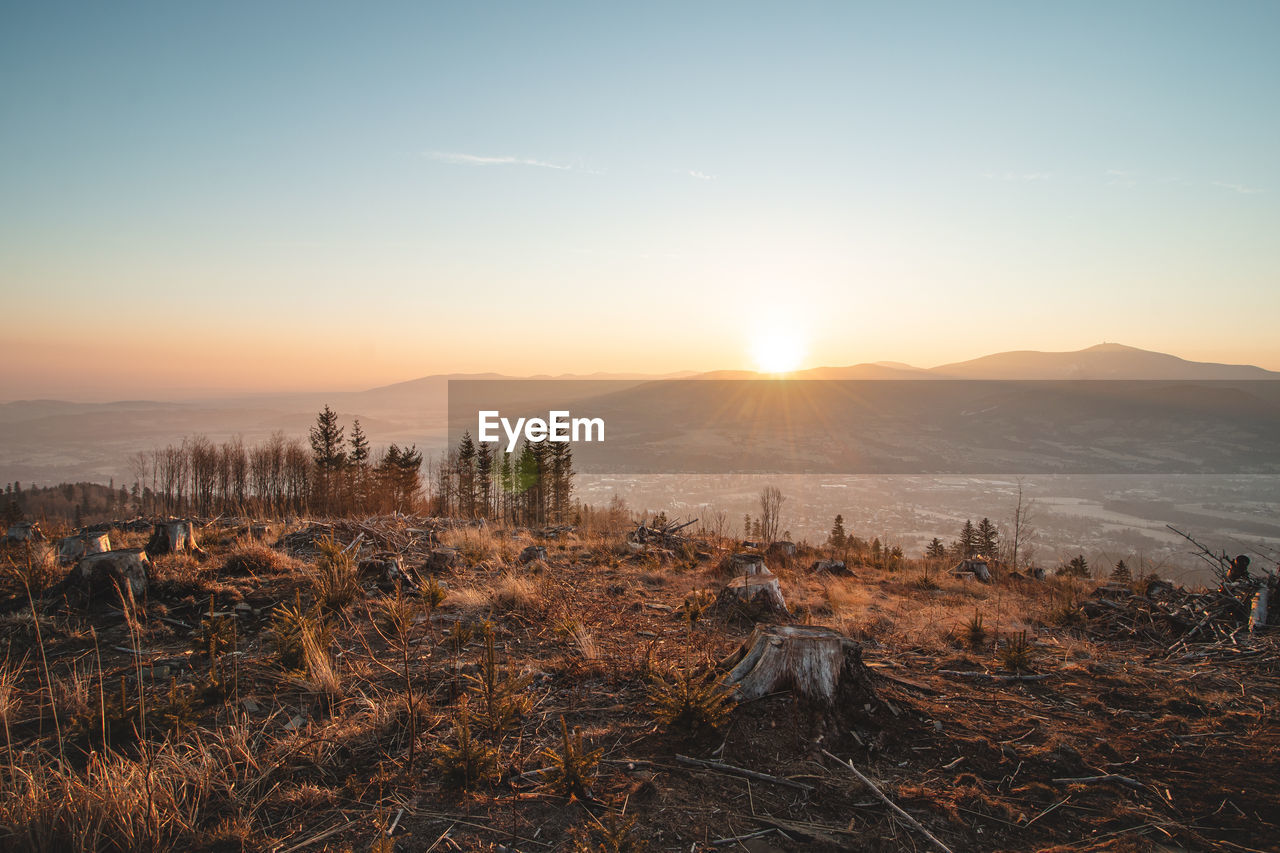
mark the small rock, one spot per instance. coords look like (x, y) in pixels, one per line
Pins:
(533, 552)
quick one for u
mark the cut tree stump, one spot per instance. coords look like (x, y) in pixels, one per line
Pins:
(25, 531)
(753, 595)
(171, 537)
(1258, 616)
(387, 570)
(831, 567)
(441, 560)
(815, 662)
(533, 552)
(744, 564)
(99, 574)
(72, 548)
(782, 550)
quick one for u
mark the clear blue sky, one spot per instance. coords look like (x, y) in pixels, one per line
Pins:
(274, 195)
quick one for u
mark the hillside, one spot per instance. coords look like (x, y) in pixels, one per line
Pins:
(1104, 361)
(1011, 716)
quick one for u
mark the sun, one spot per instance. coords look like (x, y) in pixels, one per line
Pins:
(777, 350)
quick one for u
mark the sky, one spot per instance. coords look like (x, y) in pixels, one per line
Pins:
(219, 197)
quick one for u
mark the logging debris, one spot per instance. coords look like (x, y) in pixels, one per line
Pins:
(665, 534)
(1163, 613)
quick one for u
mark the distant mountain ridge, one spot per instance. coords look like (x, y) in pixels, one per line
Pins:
(53, 440)
(1104, 361)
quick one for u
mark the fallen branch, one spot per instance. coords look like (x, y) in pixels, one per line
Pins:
(735, 839)
(848, 765)
(987, 676)
(742, 771)
(1106, 777)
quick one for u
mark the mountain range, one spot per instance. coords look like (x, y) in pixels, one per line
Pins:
(51, 440)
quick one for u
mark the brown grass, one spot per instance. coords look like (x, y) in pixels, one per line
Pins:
(515, 651)
(253, 558)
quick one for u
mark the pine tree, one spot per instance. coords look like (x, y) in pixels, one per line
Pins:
(988, 539)
(327, 454)
(1121, 573)
(936, 550)
(968, 539)
(467, 475)
(1078, 567)
(837, 539)
(484, 479)
(359, 444)
(359, 467)
(506, 483)
(400, 472)
(560, 479)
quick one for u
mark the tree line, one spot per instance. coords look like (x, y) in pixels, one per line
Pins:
(331, 474)
(532, 486)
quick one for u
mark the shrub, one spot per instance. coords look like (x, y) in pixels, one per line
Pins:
(502, 698)
(217, 634)
(336, 580)
(614, 833)
(1017, 654)
(696, 603)
(464, 762)
(925, 582)
(573, 766)
(975, 631)
(289, 624)
(690, 701)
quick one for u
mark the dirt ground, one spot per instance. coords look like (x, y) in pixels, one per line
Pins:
(1109, 744)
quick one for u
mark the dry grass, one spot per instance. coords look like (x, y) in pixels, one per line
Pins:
(182, 569)
(253, 558)
(516, 592)
(113, 803)
(336, 579)
(482, 545)
(322, 675)
(573, 659)
(30, 567)
(467, 598)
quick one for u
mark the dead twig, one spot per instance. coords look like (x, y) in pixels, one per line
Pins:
(919, 827)
(742, 771)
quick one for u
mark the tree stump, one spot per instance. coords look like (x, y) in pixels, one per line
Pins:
(441, 560)
(101, 573)
(830, 567)
(533, 552)
(781, 550)
(815, 662)
(171, 537)
(744, 563)
(72, 548)
(753, 595)
(25, 531)
(1258, 615)
(388, 570)
(975, 567)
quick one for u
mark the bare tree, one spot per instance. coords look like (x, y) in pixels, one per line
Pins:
(771, 501)
(1021, 531)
